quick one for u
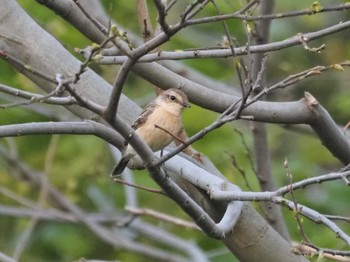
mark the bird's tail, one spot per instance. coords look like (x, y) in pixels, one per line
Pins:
(119, 168)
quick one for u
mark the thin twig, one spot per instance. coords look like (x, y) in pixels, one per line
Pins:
(226, 52)
(94, 50)
(241, 171)
(239, 15)
(24, 67)
(296, 211)
(162, 217)
(103, 29)
(247, 151)
(339, 218)
(170, 134)
(50, 98)
(162, 13)
(151, 190)
(328, 251)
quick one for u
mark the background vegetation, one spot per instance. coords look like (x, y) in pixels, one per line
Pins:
(79, 165)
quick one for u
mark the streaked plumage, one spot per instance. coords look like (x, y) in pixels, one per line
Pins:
(165, 111)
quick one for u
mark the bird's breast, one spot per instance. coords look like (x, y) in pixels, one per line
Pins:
(157, 129)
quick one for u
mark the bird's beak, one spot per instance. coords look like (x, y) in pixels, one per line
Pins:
(186, 104)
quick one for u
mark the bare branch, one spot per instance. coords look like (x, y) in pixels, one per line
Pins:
(161, 216)
(24, 67)
(5, 258)
(35, 98)
(331, 254)
(94, 50)
(90, 18)
(162, 17)
(340, 218)
(296, 210)
(81, 128)
(238, 51)
(239, 15)
(119, 181)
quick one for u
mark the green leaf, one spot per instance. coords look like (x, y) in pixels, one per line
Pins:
(320, 256)
(338, 67)
(316, 7)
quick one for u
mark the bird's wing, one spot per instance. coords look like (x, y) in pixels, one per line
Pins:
(144, 115)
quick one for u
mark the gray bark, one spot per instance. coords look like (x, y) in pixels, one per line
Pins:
(252, 238)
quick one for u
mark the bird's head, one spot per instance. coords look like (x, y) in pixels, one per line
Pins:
(173, 100)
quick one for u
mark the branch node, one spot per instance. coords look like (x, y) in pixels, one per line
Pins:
(310, 99)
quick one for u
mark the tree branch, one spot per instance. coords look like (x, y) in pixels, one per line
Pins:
(240, 16)
(73, 128)
(239, 51)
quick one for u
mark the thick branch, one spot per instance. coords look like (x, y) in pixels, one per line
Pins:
(73, 128)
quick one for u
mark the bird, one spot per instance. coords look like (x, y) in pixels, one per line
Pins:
(158, 125)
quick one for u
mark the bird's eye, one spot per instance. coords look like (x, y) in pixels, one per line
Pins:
(173, 98)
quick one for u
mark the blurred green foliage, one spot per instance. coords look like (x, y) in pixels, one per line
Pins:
(82, 163)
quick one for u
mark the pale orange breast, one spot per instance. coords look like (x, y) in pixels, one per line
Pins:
(156, 138)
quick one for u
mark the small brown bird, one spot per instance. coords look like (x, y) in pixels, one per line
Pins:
(158, 125)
